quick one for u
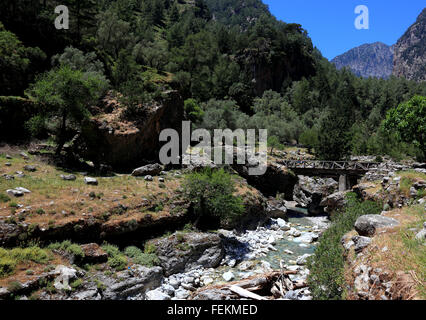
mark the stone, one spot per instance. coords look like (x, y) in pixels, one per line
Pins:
(14, 193)
(156, 295)
(24, 155)
(361, 243)
(68, 177)
(90, 181)
(182, 294)
(150, 169)
(189, 251)
(302, 259)
(65, 274)
(168, 289)
(228, 276)
(132, 282)
(334, 201)
(368, 224)
(276, 208)
(93, 253)
(30, 168)
(148, 178)
(160, 179)
(282, 224)
(22, 190)
(207, 281)
(421, 235)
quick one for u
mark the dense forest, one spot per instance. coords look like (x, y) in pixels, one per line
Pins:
(234, 64)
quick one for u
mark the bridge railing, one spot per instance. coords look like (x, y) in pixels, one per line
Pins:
(332, 165)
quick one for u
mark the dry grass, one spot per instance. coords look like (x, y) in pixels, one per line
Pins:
(397, 251)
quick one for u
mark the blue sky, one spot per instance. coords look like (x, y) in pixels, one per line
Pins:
(330, 23)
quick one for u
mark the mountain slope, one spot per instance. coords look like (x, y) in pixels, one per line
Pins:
(410, 51)
(368, 60)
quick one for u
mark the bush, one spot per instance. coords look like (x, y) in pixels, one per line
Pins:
(212, 194)
(4, 198)
(68, 247)
(145, 259)
(326, 278)
(116, 259)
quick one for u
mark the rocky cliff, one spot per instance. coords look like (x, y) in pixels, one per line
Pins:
(410, 51)
(368, 60)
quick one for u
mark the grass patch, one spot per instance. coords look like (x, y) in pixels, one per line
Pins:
(68, 247)
(142, 258)
(10, 258)
(4, 198)
(326, 279)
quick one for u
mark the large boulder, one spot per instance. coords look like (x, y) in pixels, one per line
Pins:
(309, 192)
(182, 252)
(132, 282)
(368, 224)
(119, 139)
(149, 169)
(333, 202)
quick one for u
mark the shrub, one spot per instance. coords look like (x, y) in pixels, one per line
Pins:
(68, 247)
(9, 259)
(211, 193)
(326, 278)
(4, 198)
(132, 251)
(150, 248)
(118, 262)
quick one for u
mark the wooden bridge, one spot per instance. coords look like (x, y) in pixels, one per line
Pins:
(347, 172)
(331, 167)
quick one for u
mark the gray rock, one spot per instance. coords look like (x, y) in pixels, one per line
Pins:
(421, 235)
(30, 168)
(334, 202)
(168, 289)
(150, 169)
(361, 242)
(90, 181)
(189, 251)
(182, 294)
(14, 193)
(22, 190)
(160, 179)
(68, 177)
(131, 282)
(303, 259)
(148, 178)
(156, 295)
(368, 224)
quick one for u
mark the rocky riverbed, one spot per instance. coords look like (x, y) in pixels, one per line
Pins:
(277, 245)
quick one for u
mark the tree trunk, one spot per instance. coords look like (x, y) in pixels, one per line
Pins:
(62, 138)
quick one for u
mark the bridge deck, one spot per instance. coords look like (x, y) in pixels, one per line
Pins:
(351, 167)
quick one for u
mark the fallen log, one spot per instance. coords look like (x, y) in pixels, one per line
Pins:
(245, 293)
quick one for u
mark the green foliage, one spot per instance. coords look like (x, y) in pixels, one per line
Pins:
(116, 259)
(10, 258)
(68, 247)
(212, 194)
(326, 278)
(193, 112)
(4, 198)
(66, 93)
(274, 143)
(408, 120)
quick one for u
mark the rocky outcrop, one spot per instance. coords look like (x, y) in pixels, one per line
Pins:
(334, 202)
(410, 51)
(277, 178)
(367, 60)
(309, 192)
(368, 224)
(113, 138)
(185, 251)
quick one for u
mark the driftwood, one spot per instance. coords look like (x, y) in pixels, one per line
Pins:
(275, 282)
(245, 293)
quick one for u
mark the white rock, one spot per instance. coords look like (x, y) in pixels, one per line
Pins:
(228, 276)
(156, 295)
(90, 181)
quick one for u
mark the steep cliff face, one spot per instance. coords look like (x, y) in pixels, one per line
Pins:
(410, 51)
(368, 60)
(113, 139)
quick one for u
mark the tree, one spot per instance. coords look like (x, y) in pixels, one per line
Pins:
(66, 94)
(408, 121)
(212, 194)
(274, 143)
(193, 112)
